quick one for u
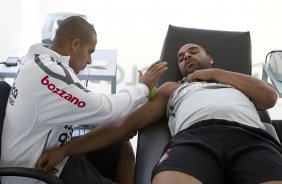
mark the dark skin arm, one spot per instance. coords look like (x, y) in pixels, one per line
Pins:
(261, 93)
(111, 132)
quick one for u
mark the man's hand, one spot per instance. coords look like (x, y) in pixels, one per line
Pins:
(202, 75)
(48, 160)
(150, 77)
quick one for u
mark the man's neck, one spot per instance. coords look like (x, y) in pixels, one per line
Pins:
(60, 50)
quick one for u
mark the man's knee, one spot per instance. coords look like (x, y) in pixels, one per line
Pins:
(167, 177)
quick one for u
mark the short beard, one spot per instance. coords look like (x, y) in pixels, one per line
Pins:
(198, 67)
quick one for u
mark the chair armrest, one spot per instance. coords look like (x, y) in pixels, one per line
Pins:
(30, 173)
(151, 142)
(278, 127)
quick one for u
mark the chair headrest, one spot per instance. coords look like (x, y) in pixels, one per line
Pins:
(230, 50)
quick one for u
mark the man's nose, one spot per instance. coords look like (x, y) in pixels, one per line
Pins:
(89, 61)
(187, 56)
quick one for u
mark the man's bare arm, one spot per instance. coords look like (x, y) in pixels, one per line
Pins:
(261, 93)
(109, 133)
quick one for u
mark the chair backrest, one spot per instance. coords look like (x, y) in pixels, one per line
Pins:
(231, 50)
(5, 89)
(46, 177)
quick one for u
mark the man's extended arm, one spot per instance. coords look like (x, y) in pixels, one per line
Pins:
(261, 93)
(109, 133)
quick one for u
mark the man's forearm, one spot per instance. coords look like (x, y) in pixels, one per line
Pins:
(114, 131)
(261, 93)
(98, 138)
(109, 133)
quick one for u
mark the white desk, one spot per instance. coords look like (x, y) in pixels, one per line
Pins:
(267, 73)
(108, 74)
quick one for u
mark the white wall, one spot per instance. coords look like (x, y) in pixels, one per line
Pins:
(11, 27)
(137, 28)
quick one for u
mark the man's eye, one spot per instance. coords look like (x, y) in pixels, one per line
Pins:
(180, 60)
(193, 52)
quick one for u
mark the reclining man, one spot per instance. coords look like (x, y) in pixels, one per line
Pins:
(47, 99)
(217, 135)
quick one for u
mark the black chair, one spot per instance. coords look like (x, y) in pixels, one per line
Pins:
(230, 50)
(20, 171)
(277, 124)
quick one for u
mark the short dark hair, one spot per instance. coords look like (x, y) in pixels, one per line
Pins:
(202, 48)
(74, 27)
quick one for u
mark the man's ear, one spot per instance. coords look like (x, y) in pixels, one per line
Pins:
(210, 59)
(75, 43)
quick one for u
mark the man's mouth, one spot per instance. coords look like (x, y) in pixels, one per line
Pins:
(190, 63)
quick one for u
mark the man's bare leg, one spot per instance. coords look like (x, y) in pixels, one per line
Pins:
(272, 182)
(168, 177)
(126, 166)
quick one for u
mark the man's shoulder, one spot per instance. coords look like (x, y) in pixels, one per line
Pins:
(168, 87)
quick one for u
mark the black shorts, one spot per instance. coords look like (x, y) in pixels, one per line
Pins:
(93, 167)
(219, 151)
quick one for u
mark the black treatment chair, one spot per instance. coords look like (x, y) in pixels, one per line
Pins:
(230, 50)
(20, 171)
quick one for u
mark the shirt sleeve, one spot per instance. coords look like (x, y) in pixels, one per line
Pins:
(68, 104)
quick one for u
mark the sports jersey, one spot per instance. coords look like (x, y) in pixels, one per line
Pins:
(197, 101)
(46, 100)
